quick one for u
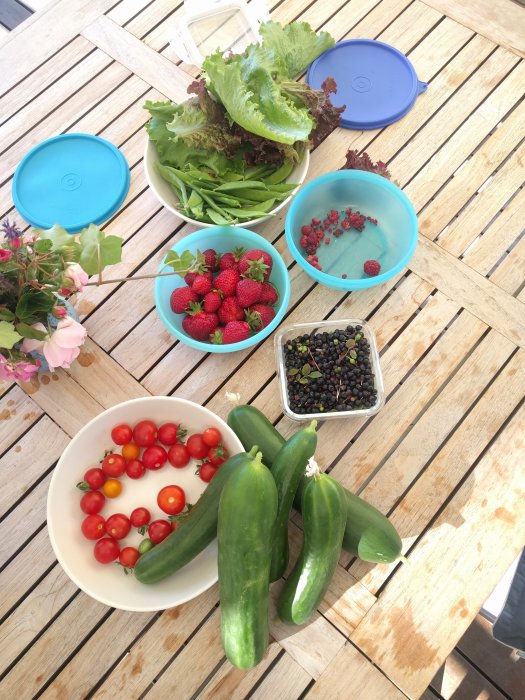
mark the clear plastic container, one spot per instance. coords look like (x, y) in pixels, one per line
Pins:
(291, 332)
(207, 25)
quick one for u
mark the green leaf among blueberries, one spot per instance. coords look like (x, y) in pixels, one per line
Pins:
(304, 374)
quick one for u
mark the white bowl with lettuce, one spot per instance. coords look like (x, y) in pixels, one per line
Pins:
(237, 151)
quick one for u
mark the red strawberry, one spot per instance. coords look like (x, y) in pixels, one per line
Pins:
(200, 325)
(268, 294)
(255, 264)
(230, 260)
(231, 310)
(201, 285)
(212, 301)
(211, 259)
(181, 298)
(216, 335)
(259, 316)
(235, 331)
(189, 278)
(226, 282)
(248, 292)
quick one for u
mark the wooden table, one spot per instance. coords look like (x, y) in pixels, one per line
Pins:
(444, 458)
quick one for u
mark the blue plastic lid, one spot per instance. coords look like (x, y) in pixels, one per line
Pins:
(375, 81)
(72, 180)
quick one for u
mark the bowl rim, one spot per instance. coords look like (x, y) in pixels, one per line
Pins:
(54, 478)
(150, 147)
(376, 363)
(258, 241)
(351, 284)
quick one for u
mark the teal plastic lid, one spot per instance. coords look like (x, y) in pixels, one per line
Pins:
(72, 180)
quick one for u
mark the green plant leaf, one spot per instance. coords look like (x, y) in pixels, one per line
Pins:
(302, 380)
(27, 331)
(292, 372)
(6, 315)
(98, 250)
(33, 305)
(350, 343)
(58, 236)
(306, 369)
(8, 335)
(180, 263)
(44, 245)
(315, 375)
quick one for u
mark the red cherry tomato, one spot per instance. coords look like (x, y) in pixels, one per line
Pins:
(158, 530)
(154, 457)
(196, 446)
(135, 469)
(95, 478)
(128, 557)
(170, 433)
(106, 550)
(178, 456)
(211, 437)
(145, 433)
(121, 434)
(114, 465)
(207, 471)
(171, 499)
(118, 526)
(92, 502)
(140, 517)
(93, 527)
(217, 455)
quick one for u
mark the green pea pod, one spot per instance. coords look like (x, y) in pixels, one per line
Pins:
(280, 174)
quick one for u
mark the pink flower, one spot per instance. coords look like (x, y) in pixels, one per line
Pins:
(59, 311)
(5, 255)
(6, 368)
(21, 370)
(75, 277)
(60, 348)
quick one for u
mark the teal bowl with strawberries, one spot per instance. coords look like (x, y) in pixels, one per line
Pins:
(231, 291)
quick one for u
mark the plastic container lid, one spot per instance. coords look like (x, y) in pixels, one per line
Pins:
(72, 180)
(375, 81)
(205, 26)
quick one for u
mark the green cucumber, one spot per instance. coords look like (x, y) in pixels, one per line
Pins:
(324, 518)
(251, 426)
(287, 470)
(194, 533)
(369, 534)
(247, 512)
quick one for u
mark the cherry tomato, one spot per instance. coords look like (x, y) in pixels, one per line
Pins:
(171, 499)
(158, 530)
(145, 433)
(114, 465)
(140, 517)
(130, 450)
(207, 471)
(118, 526)
(95, 478)
(154, 457)
(145, 545)
(211, 437)
(135, 469)
(106, 550)
(217, 455)
(92, 502)
(128, 557)
(196, 447)
(170, 433)
(121, 434)
(178, 456)
(112, 488)
(93, 527)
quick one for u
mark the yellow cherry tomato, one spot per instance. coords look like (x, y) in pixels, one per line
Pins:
(130, 451)
(112, 488)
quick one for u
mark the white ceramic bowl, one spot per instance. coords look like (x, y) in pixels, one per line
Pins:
(167, 197)
(107, 583)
